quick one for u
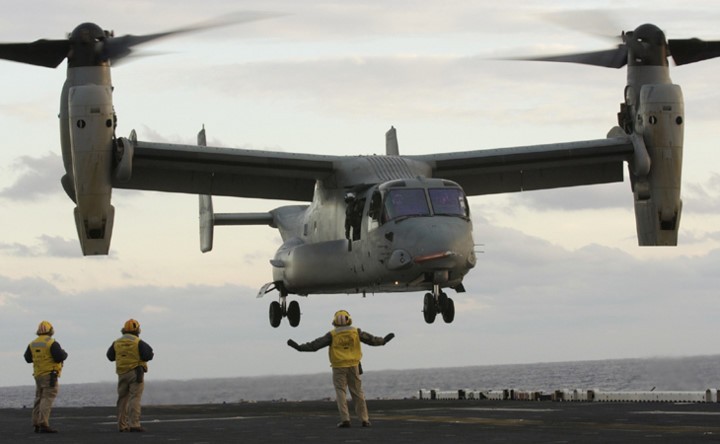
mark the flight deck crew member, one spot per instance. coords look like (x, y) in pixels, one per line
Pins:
(349, 216)
(345, 354)
(47, 358)
(130, 354)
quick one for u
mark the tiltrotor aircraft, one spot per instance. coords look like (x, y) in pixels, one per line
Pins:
(380, 223)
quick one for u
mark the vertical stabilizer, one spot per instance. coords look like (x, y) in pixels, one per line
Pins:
(391, 143)
(206, 209)
(201, 141)
(207, 223)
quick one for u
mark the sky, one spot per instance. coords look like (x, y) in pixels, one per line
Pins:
(559, 278)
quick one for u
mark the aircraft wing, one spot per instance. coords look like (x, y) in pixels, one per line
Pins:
(225, 171)
(536, 167)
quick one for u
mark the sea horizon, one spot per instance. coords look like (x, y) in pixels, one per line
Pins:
(684, 373)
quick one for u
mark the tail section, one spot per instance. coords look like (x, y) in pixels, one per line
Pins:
(391, 142)
(208, 218)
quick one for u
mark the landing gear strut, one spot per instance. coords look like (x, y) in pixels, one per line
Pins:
(438, 302)
(281, 309)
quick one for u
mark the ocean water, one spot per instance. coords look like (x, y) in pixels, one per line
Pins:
(688, 373)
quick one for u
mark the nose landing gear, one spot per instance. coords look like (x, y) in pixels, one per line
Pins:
(438, 302)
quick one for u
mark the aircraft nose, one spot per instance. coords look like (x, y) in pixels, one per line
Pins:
(436, 243)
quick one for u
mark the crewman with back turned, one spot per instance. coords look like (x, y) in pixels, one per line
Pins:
(130, 354)
(47, 358)
(345, 355)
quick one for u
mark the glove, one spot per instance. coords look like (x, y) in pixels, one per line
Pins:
(293, 344)
(388, 337)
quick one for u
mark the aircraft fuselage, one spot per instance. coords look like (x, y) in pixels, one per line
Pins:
(408, 235)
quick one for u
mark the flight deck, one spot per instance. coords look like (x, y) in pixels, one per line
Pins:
(393, 421)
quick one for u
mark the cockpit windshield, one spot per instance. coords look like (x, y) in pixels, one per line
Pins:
(406, 202)
(448, 202)
(398, 201)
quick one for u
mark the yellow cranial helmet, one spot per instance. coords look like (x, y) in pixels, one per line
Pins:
(341, 318)
(45, 328)
(131, 326)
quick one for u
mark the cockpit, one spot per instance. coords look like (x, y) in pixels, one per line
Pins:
(401, 199)
(398, 200)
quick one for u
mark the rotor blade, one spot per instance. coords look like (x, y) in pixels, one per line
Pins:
(49, 53)
(612, 58)
(119, 47)
(133, 55)
(684, 51)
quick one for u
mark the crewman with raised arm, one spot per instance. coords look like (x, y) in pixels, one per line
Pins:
(345, 355)
(47, 358)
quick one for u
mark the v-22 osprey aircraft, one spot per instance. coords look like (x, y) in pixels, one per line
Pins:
(366, 223)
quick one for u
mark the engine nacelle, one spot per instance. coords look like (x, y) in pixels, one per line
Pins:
(660, 120)
(91, 121)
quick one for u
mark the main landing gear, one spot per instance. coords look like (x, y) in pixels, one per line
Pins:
(281, 309)
(438, 302)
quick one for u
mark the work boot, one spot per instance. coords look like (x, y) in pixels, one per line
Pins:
(46, 429)
(37, 429)
(137, 429)
(366, 424)
(344, 425)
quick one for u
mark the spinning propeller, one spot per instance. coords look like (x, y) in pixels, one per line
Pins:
(646, 45)
(89, 45)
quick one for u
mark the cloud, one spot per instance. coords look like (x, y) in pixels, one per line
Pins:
(595, 197)
(48, 246)
(39, 178)
(698, 197)
(703, 197)
(389, 87)
(153, 309)
(56, 246)
(18, 249)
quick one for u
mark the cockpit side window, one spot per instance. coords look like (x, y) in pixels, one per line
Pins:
(405, 202)
(375, 206)
(448, 201)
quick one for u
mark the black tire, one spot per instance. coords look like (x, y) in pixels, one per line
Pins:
(442, 301)
(293, 313)
(275, 314)
(448, 312)
(429, 308)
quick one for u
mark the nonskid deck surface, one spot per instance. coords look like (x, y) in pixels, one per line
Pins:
(393, 421)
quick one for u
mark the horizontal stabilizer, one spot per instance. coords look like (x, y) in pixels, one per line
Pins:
(243, 219)
(208, 221)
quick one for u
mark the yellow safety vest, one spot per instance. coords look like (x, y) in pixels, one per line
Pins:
(43, 362)
(127, 354)
(345, 348)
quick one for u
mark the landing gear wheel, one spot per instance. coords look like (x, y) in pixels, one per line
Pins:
(442, 300)
(276, 314)
(293, 313)
(448, 312)
(429, 308)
